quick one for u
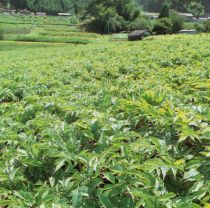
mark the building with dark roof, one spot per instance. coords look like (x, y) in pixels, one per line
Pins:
(139, 35)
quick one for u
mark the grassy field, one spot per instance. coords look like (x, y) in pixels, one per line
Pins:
(109, 124)
(44, 29)
(39, 20)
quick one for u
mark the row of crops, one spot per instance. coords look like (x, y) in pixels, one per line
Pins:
(43, 29)
(105, 125)
(37, 20)
(54, 34)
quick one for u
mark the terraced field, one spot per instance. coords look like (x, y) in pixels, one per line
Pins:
(39, 20)
(108, 124)
(44, 29)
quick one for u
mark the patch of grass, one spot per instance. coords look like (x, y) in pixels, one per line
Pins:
(11, 46)
(68, 34)
(53, 39)
(16, 29)
(38, 20)
(120, 36)
(44, 32)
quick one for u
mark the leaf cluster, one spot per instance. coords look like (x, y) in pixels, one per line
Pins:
(105, 125)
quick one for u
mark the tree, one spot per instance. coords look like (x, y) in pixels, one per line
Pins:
(56, 6)
(164, 12)
(196, 8)
(140, 23)
(19, 4)
(151, 5)
(78, 6)
(177, 22)
(178, 5)
(112, 16)
(163, 26)
(49, 6)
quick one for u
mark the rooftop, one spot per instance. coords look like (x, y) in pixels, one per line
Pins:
(138, 32)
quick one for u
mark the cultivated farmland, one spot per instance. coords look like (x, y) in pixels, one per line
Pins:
(108, 124)
(44, 29)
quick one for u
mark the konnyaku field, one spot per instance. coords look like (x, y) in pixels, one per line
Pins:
(108, 124)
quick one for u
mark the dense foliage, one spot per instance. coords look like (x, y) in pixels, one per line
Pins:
(1, 32)
(163, 26)
(105, 125)
(164, 12)
(168, 22)
(177, 22)
(207, 26)
(194, 6)
(112, 16)
(49, 6)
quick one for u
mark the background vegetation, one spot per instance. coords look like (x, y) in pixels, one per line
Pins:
(53, 6)
(194, 6)
(120, 15)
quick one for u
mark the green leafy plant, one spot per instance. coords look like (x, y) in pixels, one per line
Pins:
(164, 12)
(177, 22)
(109, 124)
(207, 26)
(163, 26)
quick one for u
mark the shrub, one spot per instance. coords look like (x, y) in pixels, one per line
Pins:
(112, 21)
(140, 24)
(136, 14)
(196, 8)
(108, 22)
(163, 26)
(1, 33)
(189, 25)
(199, 27)
(164, 12)
(177, 22)
(111, 16)
(207, 26)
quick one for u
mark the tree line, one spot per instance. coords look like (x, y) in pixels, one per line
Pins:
(178, 5)
(107, 16)
(48, 6)
(77, 6)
